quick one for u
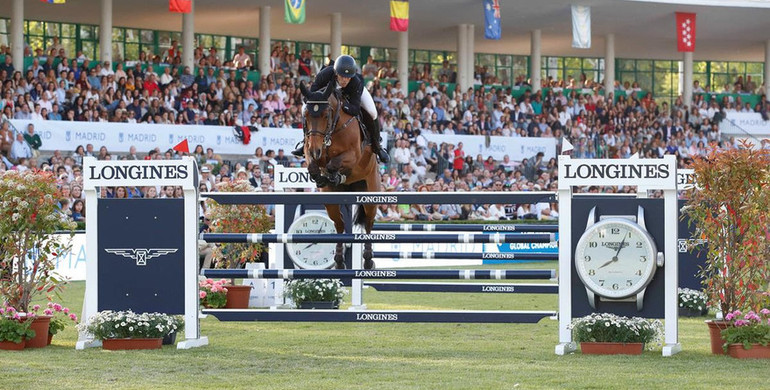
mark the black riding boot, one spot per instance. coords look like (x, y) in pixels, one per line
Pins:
(300, 151)
(373, 127)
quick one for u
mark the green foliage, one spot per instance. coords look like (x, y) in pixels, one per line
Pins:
(729, 208)
(13, 328)
(109, 324)
(605, 327)
(241, 218)
(748, 329)
(28, 215)
(314, 290)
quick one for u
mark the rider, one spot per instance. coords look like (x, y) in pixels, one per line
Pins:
(355, 97)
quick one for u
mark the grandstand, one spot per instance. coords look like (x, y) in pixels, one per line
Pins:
(460, 112)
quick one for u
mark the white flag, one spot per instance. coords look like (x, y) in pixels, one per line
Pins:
(581, 27)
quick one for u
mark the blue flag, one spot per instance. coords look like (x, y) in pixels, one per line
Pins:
(492, 28)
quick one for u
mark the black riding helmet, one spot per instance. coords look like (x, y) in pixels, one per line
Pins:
(345, 66)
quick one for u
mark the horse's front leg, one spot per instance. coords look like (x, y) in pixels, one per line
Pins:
(340, 168)
(339, 224)
(316, 175)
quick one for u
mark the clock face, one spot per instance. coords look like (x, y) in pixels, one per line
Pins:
(615, 258)
(312, 255)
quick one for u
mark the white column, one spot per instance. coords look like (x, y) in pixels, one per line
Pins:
(609, 65)
(462, 57)
(264, 41)
(17, 35)
(687, 79)
(766, 79)
(336, 38)
(188, 37)
(403, 61)
(534, 60)
(471, 62)
(105, 32)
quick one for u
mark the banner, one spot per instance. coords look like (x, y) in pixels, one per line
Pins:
(72, 264)
(180, 6)
(581, 27)
(685, 31)
(54, 1)
(492, 28)
(517, 148)
(745, 124)
(399, 15)
(294, 11)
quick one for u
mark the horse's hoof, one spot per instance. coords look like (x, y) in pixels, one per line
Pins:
(369, 264)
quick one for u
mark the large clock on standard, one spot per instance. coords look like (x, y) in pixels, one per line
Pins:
(616, 258)
(312, 255)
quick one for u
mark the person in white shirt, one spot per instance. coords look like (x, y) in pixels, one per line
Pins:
(241, 59)
(20, 148)
(401, 154)
(166, 78)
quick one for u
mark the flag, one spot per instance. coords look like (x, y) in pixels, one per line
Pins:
(294, 11)
(180, 6)
(54, 1)
(492, 29)
(399, 15)
(685, 31)
(182, 147)
(581, 27)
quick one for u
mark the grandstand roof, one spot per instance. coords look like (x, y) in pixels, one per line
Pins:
(642, 28)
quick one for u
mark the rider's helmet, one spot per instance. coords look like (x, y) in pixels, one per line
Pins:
(345, 66)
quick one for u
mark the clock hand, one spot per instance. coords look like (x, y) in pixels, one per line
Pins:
(614, 259)
(620, 247)
(308, 246)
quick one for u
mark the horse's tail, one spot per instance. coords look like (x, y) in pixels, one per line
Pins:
(360, 217)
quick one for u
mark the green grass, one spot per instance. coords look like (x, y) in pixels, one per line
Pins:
(380, 356)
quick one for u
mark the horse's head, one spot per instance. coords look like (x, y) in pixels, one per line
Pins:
(319, 119)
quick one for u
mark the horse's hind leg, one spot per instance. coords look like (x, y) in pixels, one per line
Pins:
(336, 215)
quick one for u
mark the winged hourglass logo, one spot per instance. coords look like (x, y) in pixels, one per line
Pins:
(141, 255)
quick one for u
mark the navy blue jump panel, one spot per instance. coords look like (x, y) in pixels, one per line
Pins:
(502, 228)
(379, 274)
(393, 316)
(466, 238)
(379, 197)
(498, 288)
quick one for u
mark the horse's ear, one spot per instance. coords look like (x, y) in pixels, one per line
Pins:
(303, 88)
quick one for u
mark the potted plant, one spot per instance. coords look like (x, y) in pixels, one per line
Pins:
(176, 325)
(729, 207)
(609, 334)
(60, 317)
(242, 218)
(692, 303)
(212, 293)
(315, 293)
(14, 330)
(128, 330)
(749, 335)
(28, 204)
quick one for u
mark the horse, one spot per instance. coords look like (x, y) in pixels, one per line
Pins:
(340, 159)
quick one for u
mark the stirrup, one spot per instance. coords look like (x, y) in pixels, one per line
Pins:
(300, 150)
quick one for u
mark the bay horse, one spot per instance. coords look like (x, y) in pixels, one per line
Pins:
(340, 159)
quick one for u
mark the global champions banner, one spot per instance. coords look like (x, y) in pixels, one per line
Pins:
(119, 137)
(517, 148)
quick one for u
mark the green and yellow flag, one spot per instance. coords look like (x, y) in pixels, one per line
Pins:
(294, 11)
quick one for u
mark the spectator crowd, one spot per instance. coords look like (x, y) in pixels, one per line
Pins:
(157, 89)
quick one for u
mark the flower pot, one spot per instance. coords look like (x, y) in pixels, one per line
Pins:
(602, 348)
(124, 344)
(170, 339)
(757, 351)
(11, 346)
(40, 326)
(715, 331)
(319, 305)
(688, 312)
(237, 297)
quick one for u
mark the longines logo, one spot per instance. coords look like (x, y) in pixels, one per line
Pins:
(616, 171)
(684, 244)
(615, 245)
(136, 172)
(141, 255)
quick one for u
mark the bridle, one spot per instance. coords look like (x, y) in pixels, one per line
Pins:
(331, 125)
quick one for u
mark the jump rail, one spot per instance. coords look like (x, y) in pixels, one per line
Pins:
(379, 197)
(314, 315)
(466, 255)
(379, 274)
(466, 238)
(415, 227)
(501, 288)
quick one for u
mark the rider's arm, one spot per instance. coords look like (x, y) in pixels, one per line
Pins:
(353, 91)
(323, 78)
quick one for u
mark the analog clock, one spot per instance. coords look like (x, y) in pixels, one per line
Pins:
(312, 255)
